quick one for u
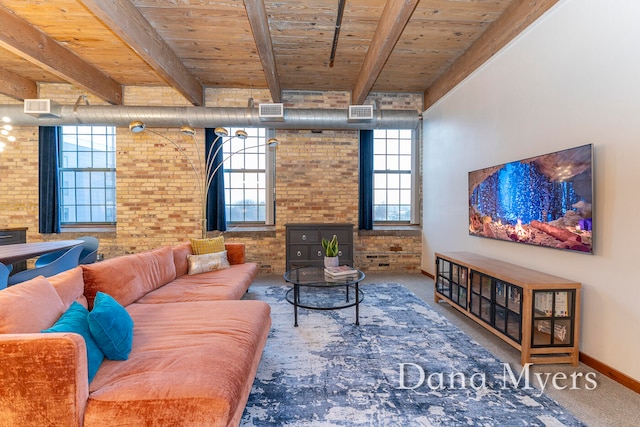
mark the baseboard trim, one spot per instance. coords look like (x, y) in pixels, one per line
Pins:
(610, 372)
(428, 274)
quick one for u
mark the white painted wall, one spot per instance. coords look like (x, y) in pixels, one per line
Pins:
(570, 79)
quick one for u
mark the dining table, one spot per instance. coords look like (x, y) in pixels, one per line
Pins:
(23, 251)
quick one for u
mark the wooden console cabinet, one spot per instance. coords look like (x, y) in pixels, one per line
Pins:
(535, 312)
(304, 244)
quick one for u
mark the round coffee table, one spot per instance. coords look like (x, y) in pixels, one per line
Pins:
(315, 290)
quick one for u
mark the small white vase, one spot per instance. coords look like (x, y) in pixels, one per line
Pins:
(331, 261)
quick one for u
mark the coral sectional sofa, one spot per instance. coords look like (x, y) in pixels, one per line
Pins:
(193, 356)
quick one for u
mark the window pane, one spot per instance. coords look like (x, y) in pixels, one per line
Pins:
(97, 179)
(379, 162)
(404, 163)
(393, 181)
(84, 159)
(83, 213)
(98, 214)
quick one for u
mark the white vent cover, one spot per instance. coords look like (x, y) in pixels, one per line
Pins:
(41, 108)
(271, 111)
(360, 112)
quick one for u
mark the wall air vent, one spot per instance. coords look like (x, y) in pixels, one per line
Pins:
(42, 108)
(271, 111)
(360, 112)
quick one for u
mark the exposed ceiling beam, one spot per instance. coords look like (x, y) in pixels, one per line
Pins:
(17, 86)
(26, 41)
(512, 22)
(259, 22)
(394, 18)
(124, 19)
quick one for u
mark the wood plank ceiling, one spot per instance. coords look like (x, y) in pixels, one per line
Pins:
(397, 46)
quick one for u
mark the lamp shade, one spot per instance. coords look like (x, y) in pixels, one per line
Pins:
(136, 126)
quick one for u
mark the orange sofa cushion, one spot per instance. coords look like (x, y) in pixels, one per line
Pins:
(70, 286)
(191, 364)
(29, 307)
(127, 278)
(227, 284)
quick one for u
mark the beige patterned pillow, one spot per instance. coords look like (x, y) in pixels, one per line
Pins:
(207, 262)
(207, 246)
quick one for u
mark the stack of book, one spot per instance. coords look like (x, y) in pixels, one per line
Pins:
(340, 271)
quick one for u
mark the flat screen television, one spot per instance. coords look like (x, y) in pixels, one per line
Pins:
(544, 200)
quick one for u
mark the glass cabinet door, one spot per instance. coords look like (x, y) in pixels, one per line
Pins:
(497, 303)
(553, 318)
(452, 281)
(443, 284)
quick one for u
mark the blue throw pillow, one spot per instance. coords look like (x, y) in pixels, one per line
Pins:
(75, 320)
(111, 327)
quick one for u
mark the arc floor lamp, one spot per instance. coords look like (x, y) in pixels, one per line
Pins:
(205, 167)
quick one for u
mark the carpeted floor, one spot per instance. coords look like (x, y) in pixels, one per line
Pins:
(405, 365)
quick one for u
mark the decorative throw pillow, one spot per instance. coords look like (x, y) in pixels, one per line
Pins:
(111, 327)
(207, 262)
(207, 246)
(75, 319)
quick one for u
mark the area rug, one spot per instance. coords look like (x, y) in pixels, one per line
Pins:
(405, 365)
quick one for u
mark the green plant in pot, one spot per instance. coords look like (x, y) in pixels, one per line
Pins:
(330, 248)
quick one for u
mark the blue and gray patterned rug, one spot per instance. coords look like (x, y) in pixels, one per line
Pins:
(405, 365)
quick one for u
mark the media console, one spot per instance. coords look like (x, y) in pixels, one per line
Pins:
(535, 312)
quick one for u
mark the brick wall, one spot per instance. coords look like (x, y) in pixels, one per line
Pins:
(157, 200)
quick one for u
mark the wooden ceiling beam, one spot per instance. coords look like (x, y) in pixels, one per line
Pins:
(395, 16)
(26, 41)
(257, 14)
(126, 21)
(512, 22)
(17, 86)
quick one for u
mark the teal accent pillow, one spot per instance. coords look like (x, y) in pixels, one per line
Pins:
(111, 327)
(75, 320)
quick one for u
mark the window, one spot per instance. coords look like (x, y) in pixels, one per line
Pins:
(248, 177)
(393, 176)
(87, 175)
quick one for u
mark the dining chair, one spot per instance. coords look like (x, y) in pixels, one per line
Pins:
(67, 261)
(4, 275)
(88, 256)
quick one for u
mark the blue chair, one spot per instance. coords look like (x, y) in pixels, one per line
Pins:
(89, 253)
(4, 275)
(67, 261)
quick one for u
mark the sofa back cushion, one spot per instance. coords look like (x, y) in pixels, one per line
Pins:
(29, 307)
(180, 253)
(129, 277)
(70, 286)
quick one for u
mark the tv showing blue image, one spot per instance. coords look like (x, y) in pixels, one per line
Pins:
(544, 200)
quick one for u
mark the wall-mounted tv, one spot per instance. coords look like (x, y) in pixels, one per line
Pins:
(544, 200)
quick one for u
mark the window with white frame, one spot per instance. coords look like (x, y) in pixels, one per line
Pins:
(248, 177)
(393, 175)
(87, 168)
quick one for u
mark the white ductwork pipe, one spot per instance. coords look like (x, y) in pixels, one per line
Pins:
(202, 117)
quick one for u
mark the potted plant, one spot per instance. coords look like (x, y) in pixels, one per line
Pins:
(330, 248)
